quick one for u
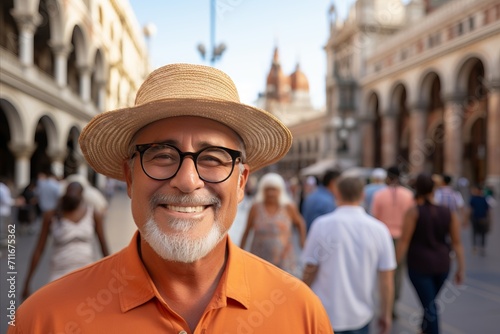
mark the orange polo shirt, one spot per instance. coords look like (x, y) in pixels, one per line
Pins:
(117, 295)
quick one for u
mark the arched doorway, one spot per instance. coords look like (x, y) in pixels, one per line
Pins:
(477, 151)
(471, 80)
(435, 139)
(71, 162)
(76, 60)
(40, 161)
(402, 126)
(7, 167)
(373, 137)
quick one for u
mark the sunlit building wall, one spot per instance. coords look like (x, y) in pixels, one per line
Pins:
(62, 62)
(417, 85)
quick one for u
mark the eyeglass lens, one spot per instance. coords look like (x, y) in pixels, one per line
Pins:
(162, 162)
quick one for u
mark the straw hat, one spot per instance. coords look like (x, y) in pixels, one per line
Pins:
(183, 90)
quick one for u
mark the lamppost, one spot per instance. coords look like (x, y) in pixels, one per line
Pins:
(343, 126)
(216, 51)
(149, 30)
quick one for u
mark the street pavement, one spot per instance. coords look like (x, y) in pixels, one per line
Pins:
(471, 308)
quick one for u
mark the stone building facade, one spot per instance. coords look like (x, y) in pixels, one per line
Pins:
(62, 62)
(417, 85)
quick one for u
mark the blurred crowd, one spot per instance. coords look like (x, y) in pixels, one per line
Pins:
(69, 211)
(359, 234)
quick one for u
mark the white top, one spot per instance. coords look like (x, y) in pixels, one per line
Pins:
(73, 245)
(448, 197)
(350, 247)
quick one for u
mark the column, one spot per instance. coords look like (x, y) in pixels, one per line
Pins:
(61, 53)
(493, 140)
(389, 138)
(101, 95)
(368, 151)
(418, 150)
(23, 153)
(27, 24)
(355, 147)
(453, 141)
(84, 82)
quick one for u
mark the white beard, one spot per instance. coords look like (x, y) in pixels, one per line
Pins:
(177, 247)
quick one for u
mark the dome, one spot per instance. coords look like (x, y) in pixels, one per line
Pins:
(276, 77)
(298, 80)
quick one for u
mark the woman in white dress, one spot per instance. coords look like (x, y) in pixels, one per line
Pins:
(72, 225)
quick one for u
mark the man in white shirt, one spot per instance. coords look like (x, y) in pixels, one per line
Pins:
(347, 251)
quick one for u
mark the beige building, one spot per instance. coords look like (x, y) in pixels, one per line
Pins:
(417, 85)
(62, 62)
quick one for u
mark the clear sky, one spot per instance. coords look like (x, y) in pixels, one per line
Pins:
(250, 29)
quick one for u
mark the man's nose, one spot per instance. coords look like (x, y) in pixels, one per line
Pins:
(187, 178)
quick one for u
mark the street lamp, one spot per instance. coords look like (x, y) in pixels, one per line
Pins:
(343, 126)
(218, 50)
(149, 31)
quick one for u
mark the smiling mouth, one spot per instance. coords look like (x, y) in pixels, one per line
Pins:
(185, 209)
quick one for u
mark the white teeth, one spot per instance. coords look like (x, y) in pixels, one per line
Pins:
(187, 209)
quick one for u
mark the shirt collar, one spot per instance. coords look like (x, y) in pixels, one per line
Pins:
(140, 287)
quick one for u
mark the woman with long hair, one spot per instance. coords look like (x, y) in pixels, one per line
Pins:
(426, 230)
(72, 226)
(272, 218)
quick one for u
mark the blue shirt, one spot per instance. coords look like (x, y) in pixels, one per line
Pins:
(479, 207)
(318, 203)
(370, 190)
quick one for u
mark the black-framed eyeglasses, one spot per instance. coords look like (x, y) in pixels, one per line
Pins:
(214, 164)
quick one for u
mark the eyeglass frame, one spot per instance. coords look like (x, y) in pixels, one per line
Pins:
(234, 154)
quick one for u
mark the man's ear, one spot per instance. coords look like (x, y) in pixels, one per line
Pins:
(128, 176)
(243, 182)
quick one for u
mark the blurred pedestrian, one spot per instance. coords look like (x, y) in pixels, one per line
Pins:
(322, 200)
(308, 186)
(389, 206)
(423, 242)
(347, 252)
(272, 218)
(26, 214)
(109, 188)
(91, 194)
(446, 196)
(72, 226)
(48, 191)
(377, 182)
(6, 204)
(480, 218)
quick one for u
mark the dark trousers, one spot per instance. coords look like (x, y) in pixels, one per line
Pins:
(398, 278)
(363, 330)
(427, 288)
(479, 230)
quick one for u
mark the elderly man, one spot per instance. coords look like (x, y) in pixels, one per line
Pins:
(185, 150)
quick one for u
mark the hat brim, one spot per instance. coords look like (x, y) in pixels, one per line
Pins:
(106, 138)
